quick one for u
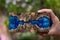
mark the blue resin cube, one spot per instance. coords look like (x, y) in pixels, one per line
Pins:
(13, 22)
(44, 22)
(34, 22)
(21, 22)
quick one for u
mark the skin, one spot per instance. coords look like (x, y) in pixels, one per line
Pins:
(54, 30)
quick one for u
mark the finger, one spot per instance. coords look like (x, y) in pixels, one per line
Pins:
(54, 18)
(55, 30)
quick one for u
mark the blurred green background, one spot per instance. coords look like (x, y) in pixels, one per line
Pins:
(21, 6)
(27, 6)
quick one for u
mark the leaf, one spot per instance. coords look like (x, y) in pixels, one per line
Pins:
(6, 22)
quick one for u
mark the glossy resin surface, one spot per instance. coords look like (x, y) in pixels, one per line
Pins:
(41, 22)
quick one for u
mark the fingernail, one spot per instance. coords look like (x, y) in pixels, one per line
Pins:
(39, 10)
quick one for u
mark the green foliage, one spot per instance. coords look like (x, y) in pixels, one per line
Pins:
(11, 7)
(29, 2)
(47, 38)
(2, 5)
(52, 4)
(56, 38)
(27, 36)
(36, 4)
(35, 7)
(6, 22)
(2, 2)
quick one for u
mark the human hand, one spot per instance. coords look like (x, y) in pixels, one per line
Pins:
(55, 27)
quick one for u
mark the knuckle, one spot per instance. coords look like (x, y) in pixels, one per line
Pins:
(51, 10)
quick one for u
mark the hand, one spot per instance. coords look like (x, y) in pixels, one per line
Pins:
(55, 27)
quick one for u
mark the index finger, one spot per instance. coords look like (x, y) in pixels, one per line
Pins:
(54, 18)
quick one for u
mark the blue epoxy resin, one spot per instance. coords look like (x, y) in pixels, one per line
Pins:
(44, 22)
(12, 26)
(13, 22)
(29, 21)
(21, 22)
(33, 22)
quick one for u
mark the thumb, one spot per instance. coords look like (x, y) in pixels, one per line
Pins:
(55, 30)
